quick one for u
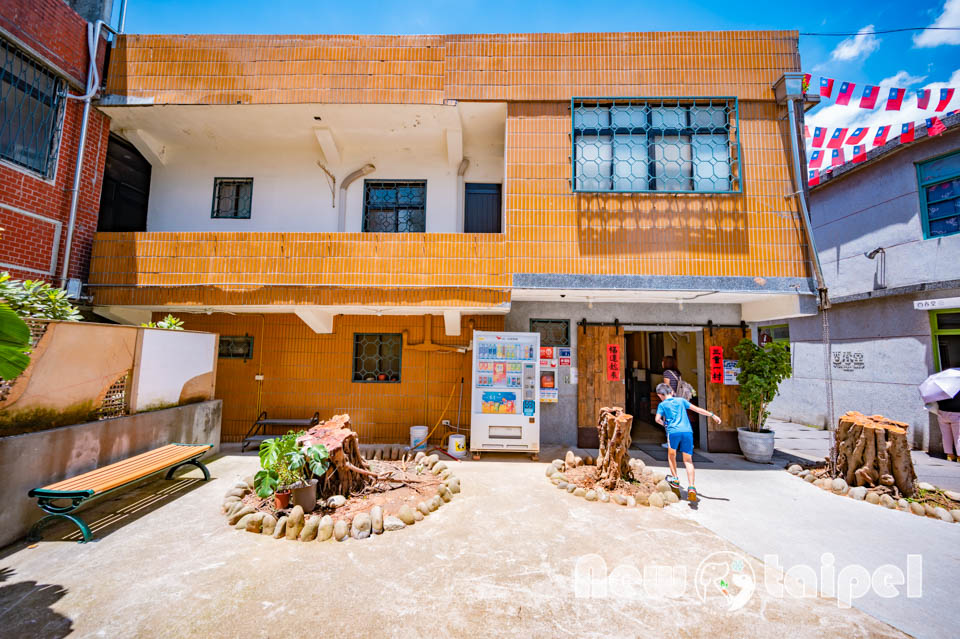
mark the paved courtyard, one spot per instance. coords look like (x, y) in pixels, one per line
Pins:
(500, 560)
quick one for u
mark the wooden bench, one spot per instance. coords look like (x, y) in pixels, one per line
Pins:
(258, 432)
(115, 476)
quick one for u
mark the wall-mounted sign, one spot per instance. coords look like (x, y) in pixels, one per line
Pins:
(946, 302)
(549, 395)
(848, 361)
(563, 354)
(613, 362)
(716, 364)
(546, 352)
(730, 372)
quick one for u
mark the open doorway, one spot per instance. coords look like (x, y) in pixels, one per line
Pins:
(646, 351)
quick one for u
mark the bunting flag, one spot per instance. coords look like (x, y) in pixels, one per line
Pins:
(935, 126)
(859, 153)
(869, 98)
(805, 85)
(906, 133)
(846, 92)
(881, 137)
(895, 99)
(837, 158)
(819, 135)
(813, 178)
(858, 134)
(945, 96)
(836, 140)
(826, 87)
(923, 98)
(816, 159)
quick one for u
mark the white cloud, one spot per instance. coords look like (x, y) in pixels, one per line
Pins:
(902, 79)
(859, 46)
(949, 18)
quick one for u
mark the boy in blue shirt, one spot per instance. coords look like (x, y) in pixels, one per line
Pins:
(672, 415)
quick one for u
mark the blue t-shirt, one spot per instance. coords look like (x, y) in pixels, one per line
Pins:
(674, 411)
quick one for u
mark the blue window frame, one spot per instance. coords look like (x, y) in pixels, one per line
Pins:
(656, 145)
(939, 185)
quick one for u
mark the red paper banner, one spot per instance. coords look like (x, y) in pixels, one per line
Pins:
(613, 362)
(716, 364)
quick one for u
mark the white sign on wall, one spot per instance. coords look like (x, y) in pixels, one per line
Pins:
(945, 302)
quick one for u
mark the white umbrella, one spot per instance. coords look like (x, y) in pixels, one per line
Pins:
(942, 385)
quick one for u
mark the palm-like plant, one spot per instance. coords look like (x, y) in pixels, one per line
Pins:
(284, 464)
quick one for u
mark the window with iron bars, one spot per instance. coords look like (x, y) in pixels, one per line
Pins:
(661, 145)
(553, 332)
(232, 198)
(395, 206)
(31, 111)
(376, 357)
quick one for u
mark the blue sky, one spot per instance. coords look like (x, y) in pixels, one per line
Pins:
(910, 60)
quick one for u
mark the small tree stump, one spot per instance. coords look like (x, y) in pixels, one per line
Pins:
(348, 472)
(613, 428)
(873, 451)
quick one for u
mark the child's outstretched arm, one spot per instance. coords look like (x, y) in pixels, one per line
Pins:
(704, 411)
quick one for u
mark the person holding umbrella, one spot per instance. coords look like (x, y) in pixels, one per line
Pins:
(941, 394)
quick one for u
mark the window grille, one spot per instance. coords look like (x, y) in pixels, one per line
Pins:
(939, 180)
(115, 401)
(232, 198)
(395, 206)
(236, 347)
(662, 145)
(553, 332)
(376, 357)
(31, 109)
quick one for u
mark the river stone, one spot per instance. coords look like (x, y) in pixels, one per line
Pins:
(569, 460)
(571, 488)
(562, 485)
(956, 514)
(420, 455)
(445, 493)
(670, 498)
(255, 523)
(325, 528)
(603, 496)
(248, 480)
(341, 529)
(794, 469)
(240, 513)
(376, 519)
(803, 473)
(446, 473)
(362, 524)
(578, 461)
(618, 498)
(887, 501)
(406, 514)
(309, 530)
(664, 487)
(435, 503)
(438, 468)
(810, 478)
(872, 498)
(236, 492)
(234, 507)
(643, 500)
(858, 492)
(825, 483)
(839, 486)
(590, 495)
(430, 460)
(943, 514)
(656, 499)
(657, 477)
(647, 470)
(579, 492)
(925, 486)
(336, 501)
(903, 504)
(228, 504)
(955, 496)
(558, 464)
(295, 522)
(243, 521)
(632, 501)
(917, 509)
(551, 471)
(391, 523)
(281, 528)
(454, 486)
(423, 508)
(930, 510)
(417, 515)
(269, 524)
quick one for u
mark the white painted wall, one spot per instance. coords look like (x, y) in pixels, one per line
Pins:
(168, 360)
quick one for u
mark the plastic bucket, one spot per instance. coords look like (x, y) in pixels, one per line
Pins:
(418, 433)
(457, 446)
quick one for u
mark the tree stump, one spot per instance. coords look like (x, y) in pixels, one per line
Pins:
(873, 451)
(348, 472)
(613, 461)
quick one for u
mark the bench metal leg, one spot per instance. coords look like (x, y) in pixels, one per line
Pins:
(190, 462)
(34, 534)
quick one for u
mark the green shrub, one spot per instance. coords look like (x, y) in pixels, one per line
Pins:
(36, 299)
(761, 371)
(169, 322)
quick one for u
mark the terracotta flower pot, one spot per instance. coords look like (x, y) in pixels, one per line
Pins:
(281, 499)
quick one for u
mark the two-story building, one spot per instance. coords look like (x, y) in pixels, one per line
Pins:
(888, 233)
(345, 210)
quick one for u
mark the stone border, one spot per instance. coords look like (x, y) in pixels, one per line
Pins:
(663, 495)
(299, 526)
(839, 486)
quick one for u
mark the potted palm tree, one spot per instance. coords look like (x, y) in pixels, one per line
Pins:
(761, 371)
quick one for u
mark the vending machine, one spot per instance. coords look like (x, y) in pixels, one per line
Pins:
(505, 393)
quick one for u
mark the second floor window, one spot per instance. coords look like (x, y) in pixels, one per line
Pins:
(940, 195)
(31, 108)
(395, 206)
(660, 145)
(232, 198)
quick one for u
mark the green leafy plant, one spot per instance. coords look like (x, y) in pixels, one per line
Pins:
(284, 463)
(14, 343)
(36, 299)
(761, 371)
(170, 322)
(314, 459)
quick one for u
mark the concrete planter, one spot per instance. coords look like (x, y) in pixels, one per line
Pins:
(756, 447)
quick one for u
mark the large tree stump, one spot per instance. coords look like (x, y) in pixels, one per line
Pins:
(873, 451)
(613, 460)
(348, 472)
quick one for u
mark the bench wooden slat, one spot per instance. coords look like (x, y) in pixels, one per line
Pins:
(128, 470)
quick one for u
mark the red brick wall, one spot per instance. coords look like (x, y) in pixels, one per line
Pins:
(52, 29)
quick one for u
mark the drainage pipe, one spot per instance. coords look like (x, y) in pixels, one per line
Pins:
(366, 169)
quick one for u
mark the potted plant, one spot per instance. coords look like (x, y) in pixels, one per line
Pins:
(309, 462)
(283, 471)
(761, 371)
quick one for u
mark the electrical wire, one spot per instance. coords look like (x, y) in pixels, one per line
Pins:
(878, 32)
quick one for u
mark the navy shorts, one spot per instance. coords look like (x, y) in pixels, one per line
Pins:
(682, 442)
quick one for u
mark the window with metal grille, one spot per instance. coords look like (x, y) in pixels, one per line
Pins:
(376, 357)
(395, 206)
(114, 402)
(31, 110)
(232, 197)
(939, 180)
(553, 332)
(236, 347)
(662, 145)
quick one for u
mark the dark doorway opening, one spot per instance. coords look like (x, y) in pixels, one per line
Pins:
(126, 188)
(481, 209)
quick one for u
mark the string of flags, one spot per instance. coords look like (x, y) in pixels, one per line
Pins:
(870, 94)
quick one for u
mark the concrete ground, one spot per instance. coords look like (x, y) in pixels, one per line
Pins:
(500, 560)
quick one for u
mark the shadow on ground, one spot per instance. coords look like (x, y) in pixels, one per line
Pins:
(26, 609)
